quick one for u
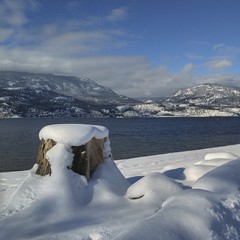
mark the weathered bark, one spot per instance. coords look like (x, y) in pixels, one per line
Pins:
(85, 160)
(79, 164)
(95, 153)
(87, 157)
(44, 167)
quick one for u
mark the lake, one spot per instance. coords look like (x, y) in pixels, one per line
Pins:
(129, 137)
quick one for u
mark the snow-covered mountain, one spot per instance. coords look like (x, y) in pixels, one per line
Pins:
(80, 88)
(47, 95)
(207, 95)
(29, 102)
(44, 95)
(206, 100)
(201, 100)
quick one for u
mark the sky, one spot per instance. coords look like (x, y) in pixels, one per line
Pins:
(138, 48)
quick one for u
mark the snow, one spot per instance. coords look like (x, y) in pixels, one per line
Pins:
(153, 184)
(186, 195)
(222, 155)
(73, 134)
(223, 180)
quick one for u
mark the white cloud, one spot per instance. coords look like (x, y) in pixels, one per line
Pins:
(219, 64)
(12, 12)
(65, 40)
(218, 46)
(226, 50)
(132, 76)
(5, 33)
(224, 79)
(13, 17)
(187, 68)
(117, 14)
(127, 75)
(76, 43)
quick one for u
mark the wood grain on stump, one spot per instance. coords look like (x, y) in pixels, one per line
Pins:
(44, 167)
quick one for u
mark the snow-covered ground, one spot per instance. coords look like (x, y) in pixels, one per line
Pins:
(186, 195)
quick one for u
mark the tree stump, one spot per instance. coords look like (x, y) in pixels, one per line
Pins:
(94, 150)
(44, 167)
(86, 157)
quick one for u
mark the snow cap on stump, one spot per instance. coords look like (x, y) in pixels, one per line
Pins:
(83, 148)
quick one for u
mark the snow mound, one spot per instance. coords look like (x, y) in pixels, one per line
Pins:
(194, 172)
(109, 176)
(210, 162)
(154, 184)
(188, 215)
(223, 180)
(210, 210)
(73, 134)
(220, 155)
(214, 162)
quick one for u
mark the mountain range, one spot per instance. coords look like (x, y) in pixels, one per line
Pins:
(25, 94)
(198, 101)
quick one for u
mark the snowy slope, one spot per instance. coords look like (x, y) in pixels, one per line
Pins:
(82, 89)
(25, 94)
(199, 101)
(206, 100)
(186, 195)
(207, 95)
(29, 102)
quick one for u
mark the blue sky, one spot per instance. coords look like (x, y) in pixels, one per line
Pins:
(136, 47)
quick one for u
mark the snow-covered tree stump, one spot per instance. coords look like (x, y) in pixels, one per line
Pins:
(85, 142)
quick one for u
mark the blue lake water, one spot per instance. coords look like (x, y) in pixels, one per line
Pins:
(129, 137)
